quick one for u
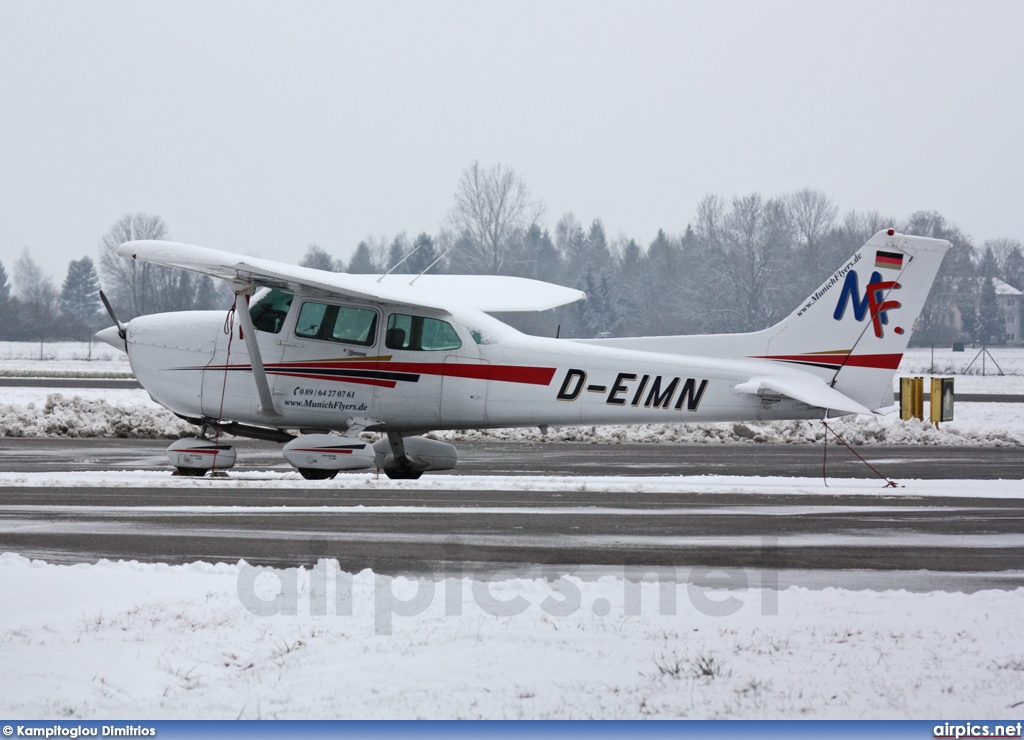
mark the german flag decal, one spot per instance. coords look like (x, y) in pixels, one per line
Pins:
(889, 260)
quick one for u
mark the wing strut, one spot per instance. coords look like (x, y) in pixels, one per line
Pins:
(267, 408)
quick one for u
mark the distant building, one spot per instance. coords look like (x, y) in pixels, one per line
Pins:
(1011, 308)
(1011, 303)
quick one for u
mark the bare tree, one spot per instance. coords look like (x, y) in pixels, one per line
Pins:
(491, 206)
(37, 297)
(32, 285)
(708, 226)
(134, 286)
(757, 239)
(812, 214)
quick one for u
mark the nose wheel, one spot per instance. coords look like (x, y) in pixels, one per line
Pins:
(316, 474)
(191, 472)
(402, 474)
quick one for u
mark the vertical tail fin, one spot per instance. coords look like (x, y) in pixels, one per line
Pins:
(854, 329)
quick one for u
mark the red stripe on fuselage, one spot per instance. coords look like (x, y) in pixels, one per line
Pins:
(878, 362)
(502, 373)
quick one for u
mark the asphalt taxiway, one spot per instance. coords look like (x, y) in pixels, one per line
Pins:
(892, 538)
(569, 458)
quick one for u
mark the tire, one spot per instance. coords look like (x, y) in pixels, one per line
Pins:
(397, 474)
(191, 472)
(317, 474)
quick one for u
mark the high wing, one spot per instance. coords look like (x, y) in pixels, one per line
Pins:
(805, 388)
(489, 293)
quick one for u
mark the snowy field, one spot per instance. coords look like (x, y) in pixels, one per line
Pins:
(62, 359)
(129, 640)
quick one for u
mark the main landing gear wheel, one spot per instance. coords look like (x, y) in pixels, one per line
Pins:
(394, 474)
(192, 472)
(315, 474)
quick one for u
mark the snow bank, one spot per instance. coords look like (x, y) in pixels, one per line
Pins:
(887, 430)
(128, 640)
(74, 416)
(133, 415)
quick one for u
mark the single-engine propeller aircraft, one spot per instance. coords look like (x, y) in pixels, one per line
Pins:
(313, 358)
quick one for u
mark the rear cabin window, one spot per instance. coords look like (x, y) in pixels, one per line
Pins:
(345, 324)
(269, 310)
(420, 333)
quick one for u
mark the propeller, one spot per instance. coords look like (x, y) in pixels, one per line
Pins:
(121, 331)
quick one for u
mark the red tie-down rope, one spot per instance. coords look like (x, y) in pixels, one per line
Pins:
(888, 482)
(229, 329)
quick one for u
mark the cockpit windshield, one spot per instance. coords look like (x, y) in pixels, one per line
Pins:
(269, 310)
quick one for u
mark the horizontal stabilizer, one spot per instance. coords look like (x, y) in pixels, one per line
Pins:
(810, 390)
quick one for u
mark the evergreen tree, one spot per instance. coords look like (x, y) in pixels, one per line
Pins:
(80, 293)
(5, 286)
(988, 266)
(539, 258)
(597, 243)
(211, 295)
(664, 264)
(362, 262)
(396, 253)
(990, 326)
(317, 258)
(10, 327)
(423, 255)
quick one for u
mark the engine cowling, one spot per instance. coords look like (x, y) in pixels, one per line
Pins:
(196, 456)
(318, 456)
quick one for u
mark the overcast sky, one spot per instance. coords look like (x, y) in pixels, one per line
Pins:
(263, 127)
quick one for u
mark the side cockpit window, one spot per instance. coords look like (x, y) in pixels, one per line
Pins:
(420, 333)
(269, 310)
(345, 324)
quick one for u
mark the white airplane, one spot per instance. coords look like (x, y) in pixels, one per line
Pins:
(313, 358)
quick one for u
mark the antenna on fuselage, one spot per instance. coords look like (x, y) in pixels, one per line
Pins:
(432, 264)
(398, 264)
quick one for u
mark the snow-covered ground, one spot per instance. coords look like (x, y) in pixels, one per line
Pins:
(130, 640)
(361, 480)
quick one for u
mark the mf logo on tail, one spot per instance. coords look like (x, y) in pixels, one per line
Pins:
(872, 303)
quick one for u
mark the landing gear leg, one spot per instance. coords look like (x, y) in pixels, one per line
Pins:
(404, 469)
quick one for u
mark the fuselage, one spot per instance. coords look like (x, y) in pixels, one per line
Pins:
(331, 363)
